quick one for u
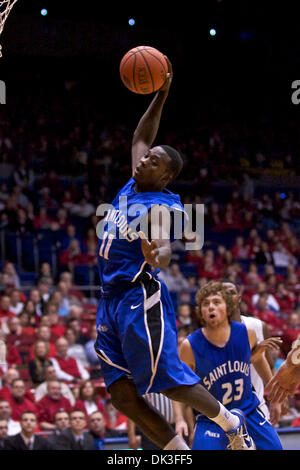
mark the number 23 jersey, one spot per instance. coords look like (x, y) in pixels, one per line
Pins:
(225, 371)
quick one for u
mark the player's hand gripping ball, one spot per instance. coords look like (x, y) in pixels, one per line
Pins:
(143, 70)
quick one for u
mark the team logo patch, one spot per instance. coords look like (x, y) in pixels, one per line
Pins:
(211, 434)
(102, 328)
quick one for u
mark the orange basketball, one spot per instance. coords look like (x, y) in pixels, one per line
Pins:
(143, 70)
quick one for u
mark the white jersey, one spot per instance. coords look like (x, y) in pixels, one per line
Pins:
(258, 385)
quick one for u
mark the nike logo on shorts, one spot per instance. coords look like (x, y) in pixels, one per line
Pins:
(135, 306)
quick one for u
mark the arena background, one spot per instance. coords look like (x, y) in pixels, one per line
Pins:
(61, 72)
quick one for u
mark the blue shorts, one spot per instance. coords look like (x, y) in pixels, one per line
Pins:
(209, 436)
(137, 337)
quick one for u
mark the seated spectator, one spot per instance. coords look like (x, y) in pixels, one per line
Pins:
(291, 330)
(92, 357)
(45, 273)
(185, 317)
(263, 255)
(22, 224)
(80, 328)
(62, 422)
(75, 349)
(71, 255)
(67, 277)
(67, 368)
(52, 402)
(285, 298)
(272, 303)
(43, 333)
(83, 208)
(88, 400)
(18, 401)
(173, 278)
(75, 438)
(62, 221)
(44, 288)
(5, 392)
(42, 221)
(41, 390)
(5, 413)
(68, 300)
(5, 305)
(239, 249)
(35, 297)
(70, 236)
(16, 305)
(27, 318)
(3, 432)
(13, 278)
(268, 316)
(27, 439)
(99, 431)
(57, 299)
(38, 364)
(13, 357)
(281, 256)
(114, 419)
(55, 321)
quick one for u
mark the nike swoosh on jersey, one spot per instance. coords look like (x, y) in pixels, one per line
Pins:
(135, 306)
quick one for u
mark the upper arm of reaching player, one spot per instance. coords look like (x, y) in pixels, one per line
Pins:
(186, 354)
(252, 338)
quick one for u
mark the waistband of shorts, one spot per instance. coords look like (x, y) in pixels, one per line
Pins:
(112, 291)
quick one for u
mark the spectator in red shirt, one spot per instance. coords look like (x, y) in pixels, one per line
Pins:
(285, 298)
(18, 402)
(71, 255)
(5, 311)
(239, 250)
(55, 322)
(50, 404)
(114, 419)
(266, 315)
(209, 270)
(88, 400)
(67, 368)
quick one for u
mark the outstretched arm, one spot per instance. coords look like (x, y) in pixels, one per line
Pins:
(287, 378)
(148, 125)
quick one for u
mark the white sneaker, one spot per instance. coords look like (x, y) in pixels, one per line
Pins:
(239, 438)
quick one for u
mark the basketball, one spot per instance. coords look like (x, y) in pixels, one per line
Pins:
(143, 70)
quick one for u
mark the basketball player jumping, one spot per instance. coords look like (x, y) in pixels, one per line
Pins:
(220, 354)
(137, 335)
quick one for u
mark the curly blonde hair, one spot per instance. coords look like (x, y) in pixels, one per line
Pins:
(214, 288)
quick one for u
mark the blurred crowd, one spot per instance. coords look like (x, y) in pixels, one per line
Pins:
(55, 170)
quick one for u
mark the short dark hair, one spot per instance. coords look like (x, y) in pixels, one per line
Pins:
(176, 162)
(28, 413)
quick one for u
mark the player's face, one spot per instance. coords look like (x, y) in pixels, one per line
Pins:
(28, 423)
(153, 171)
(214, 310)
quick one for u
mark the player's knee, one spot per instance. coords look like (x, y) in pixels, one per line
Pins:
(173, 393)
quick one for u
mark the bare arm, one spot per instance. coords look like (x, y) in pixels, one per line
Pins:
(148, 125)
(158, 252)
